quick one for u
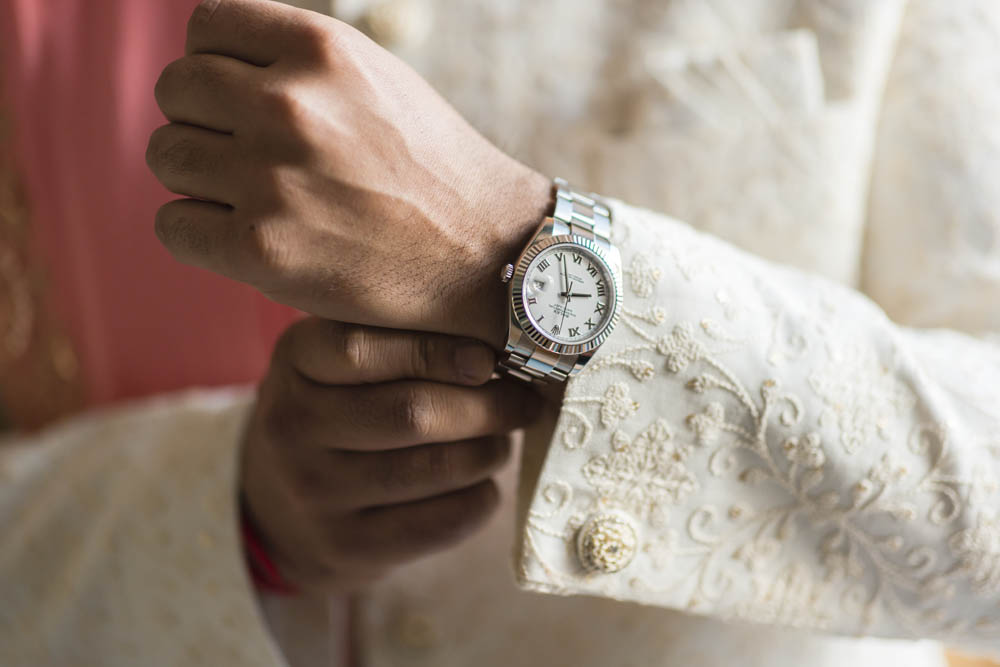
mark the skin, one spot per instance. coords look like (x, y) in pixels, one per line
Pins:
(371, 447)
(322, 170)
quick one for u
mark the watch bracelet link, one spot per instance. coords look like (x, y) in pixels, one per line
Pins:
(582, 215)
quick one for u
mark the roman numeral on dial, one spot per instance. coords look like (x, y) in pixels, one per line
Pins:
(544, 264)
(592, 270)
(600, 288)
(599, 308)
(532, 301)
(574, 331)
(559, 256)
(590, 325)
(577, 259)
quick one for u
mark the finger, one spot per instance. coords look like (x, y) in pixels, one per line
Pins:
(392, 415)
(196, 162)
(336, 353)
(197, 232)
(354, 480)
(259, 32)
(402, 532)
(206, 90)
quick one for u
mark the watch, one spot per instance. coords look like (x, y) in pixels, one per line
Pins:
(564, 291)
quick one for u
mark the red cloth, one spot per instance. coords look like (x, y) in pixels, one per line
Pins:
(79, 77)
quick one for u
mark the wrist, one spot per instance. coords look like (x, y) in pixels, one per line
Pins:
(512, 209)
(263, 570)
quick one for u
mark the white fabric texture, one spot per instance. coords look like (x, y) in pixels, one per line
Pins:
(785, 454)
(121, 544)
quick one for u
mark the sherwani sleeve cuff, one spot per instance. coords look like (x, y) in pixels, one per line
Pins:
(758, 443)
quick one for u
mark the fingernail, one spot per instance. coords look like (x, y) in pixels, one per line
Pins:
(474, 362)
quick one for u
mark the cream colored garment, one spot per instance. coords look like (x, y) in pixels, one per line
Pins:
(120, 541)
(779, 452)
(753, 120)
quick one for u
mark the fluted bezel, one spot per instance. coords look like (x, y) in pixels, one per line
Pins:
(526, 322)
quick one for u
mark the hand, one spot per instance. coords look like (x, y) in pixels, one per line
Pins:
(370, 447)
(322, 170)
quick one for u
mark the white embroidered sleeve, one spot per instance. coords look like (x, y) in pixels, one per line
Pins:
(120, 543)
(755, 442)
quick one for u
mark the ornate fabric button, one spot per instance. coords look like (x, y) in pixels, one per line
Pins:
(606, 543)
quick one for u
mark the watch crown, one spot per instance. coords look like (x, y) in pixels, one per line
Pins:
(506, 272)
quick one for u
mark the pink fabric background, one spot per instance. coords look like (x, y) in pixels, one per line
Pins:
(79, 76)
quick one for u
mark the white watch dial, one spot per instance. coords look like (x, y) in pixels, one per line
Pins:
(569, 293)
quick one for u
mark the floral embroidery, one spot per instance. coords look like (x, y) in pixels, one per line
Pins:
(862, 396)
(680, 348)
(806, 451)
(790, 598)
(978, 553)
(814, 538)
(616, 405)
(643, 474)
(577, 433)
(642, 275)
(708, 423)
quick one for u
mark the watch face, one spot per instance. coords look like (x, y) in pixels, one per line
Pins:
(569, 293)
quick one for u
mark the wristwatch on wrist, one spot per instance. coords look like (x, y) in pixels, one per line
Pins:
(564, 291)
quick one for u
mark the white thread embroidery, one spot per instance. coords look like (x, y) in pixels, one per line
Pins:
(810, 543)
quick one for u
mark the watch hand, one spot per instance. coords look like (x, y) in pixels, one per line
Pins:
(580, 295)
(565, 273)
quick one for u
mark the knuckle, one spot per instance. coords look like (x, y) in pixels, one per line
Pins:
(424, 346)
(314, 37)
(354, 347)
(265, 248)
(413, 413)
(321, 38)
(283, 102)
